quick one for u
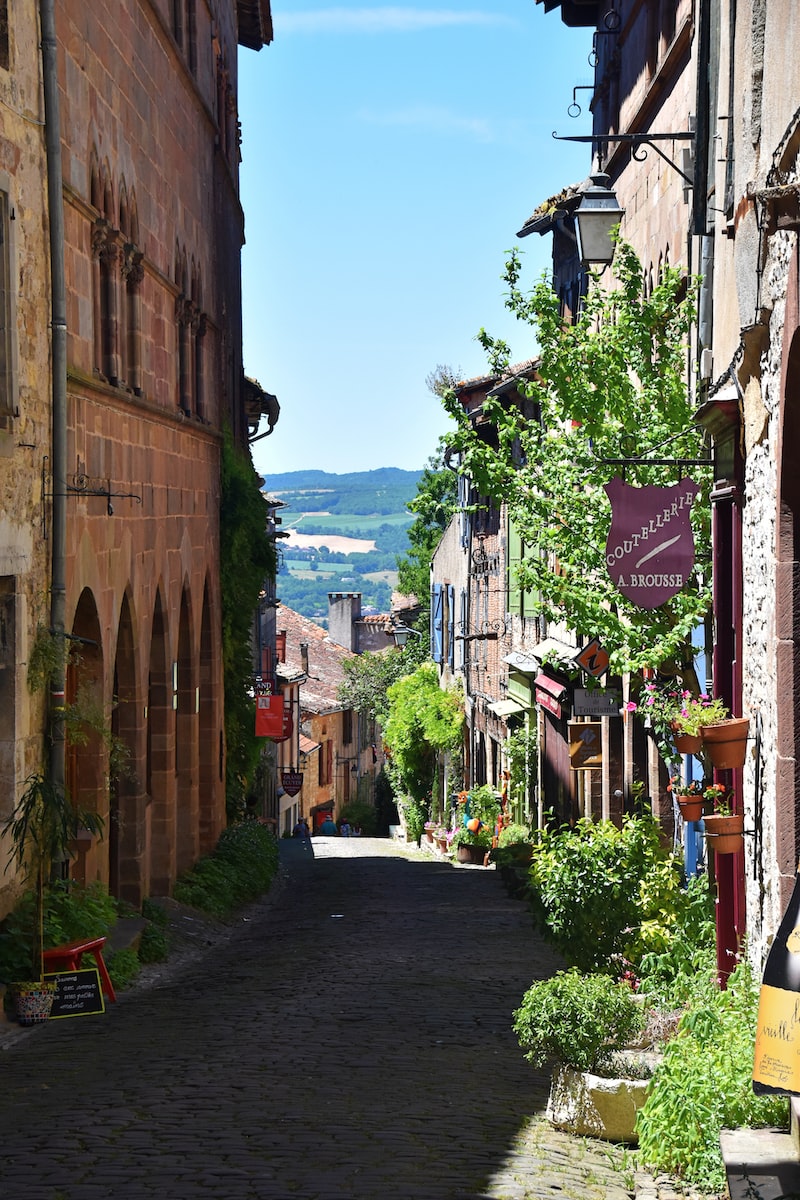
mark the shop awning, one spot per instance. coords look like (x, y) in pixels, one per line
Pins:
(552, 686)
(307, 746)
(505, 708)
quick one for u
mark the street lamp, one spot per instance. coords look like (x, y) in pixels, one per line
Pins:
(401, 633)
(595, 217)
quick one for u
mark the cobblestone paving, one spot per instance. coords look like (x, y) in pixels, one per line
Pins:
(350, 1040)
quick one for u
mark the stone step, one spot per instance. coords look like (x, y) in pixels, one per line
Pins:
(762, 1163)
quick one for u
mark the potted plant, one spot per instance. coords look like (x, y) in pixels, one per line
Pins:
(725, 742)
(689, 796)
(41, 828)
(724, 828)
(478, 811)
(583, 1024)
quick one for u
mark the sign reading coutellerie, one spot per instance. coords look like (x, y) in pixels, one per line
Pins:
(650, 546)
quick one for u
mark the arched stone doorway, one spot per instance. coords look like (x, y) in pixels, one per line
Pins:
(160, 759)
(127, 822)
(186, 746)
(86, 754)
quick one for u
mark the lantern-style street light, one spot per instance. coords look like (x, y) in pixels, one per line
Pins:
(595, 217)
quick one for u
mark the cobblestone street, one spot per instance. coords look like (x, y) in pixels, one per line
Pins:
(350, 1039)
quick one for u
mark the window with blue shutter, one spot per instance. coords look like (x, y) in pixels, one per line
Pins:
(437, 622)
(451, 626)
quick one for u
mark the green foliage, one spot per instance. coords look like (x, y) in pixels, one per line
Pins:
(669, 976)
(361, 813)
(576, 1019)
(522, 749)
(241, 867)
(154, 943)
(433, 506)
(602, 894)
(482, 804)
(513, 835)
(610, 386)
(70, 912)
(704, 1085)
(368, 677)
(247, 558)
(416, 815)
(123, 967)
(423, 722)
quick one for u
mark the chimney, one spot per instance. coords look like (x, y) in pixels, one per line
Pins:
(304, 657)
(344, 609)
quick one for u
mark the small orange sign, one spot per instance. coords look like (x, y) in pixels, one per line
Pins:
(585, 745)
(593, 659)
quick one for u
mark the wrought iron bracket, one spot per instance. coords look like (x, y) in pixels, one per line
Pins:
(639, 144)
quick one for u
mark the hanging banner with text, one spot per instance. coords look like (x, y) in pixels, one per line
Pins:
(650, 546)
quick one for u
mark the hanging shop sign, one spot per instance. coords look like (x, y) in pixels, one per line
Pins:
(599, 702)
(273, 720)
(291, 782)
(650, 546)
(585, 745)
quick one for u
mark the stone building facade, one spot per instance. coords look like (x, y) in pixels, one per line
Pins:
(153, 234)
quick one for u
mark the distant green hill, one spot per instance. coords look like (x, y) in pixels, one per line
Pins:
(360, 504)
(383, 492)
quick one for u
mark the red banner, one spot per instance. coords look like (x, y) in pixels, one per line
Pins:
(269, 716)
(650, 547)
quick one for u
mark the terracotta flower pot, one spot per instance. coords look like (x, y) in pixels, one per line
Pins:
(726, 742)
(691, 807)
(686, 743)
(725, 834)
(467, 853)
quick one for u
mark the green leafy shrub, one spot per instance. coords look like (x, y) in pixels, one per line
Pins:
(70, 912)
(576, 1019)
(241, 867)
(669, 977)
(123, 967)
(513, 835)
(154, 943)
(604, 895)
(704, 1085)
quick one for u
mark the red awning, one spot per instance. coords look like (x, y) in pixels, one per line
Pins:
(552, 686)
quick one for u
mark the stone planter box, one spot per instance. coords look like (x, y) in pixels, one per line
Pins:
(594, 1106)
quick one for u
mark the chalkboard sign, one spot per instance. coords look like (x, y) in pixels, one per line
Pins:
(78, 993)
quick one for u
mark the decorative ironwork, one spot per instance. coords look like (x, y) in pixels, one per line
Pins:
(487, 631)
(639, 144)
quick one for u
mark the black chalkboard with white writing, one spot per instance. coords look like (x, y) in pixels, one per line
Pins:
(78, 994)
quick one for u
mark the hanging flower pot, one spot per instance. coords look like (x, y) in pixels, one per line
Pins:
(726, 742)
(725, 833)
(691, 807)
(686, 743)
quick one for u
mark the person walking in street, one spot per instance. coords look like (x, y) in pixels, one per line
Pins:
(328, 827)
(301, 829)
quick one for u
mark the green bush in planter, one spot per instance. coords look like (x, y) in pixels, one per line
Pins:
(704, 1085)
(513, 835)
(602, 894)
(577, 1019)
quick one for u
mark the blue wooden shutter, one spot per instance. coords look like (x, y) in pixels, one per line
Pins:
(437, 622)
(451, 625)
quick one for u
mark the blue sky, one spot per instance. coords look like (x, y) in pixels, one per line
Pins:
(390, 154)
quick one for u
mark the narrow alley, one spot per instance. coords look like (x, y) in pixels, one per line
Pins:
(351, 1039)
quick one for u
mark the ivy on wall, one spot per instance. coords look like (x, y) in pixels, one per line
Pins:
(247, 559)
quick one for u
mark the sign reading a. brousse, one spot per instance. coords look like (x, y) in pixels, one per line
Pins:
(650, 546)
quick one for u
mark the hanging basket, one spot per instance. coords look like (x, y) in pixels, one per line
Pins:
(691, 807)
(686, 743)
(726, 742)
(725, 834)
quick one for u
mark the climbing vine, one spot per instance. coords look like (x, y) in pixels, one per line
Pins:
(247, 558)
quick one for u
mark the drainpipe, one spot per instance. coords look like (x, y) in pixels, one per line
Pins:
(58, 591)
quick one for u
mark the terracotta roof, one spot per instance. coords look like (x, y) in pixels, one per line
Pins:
(319, 690)
(307, 746)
